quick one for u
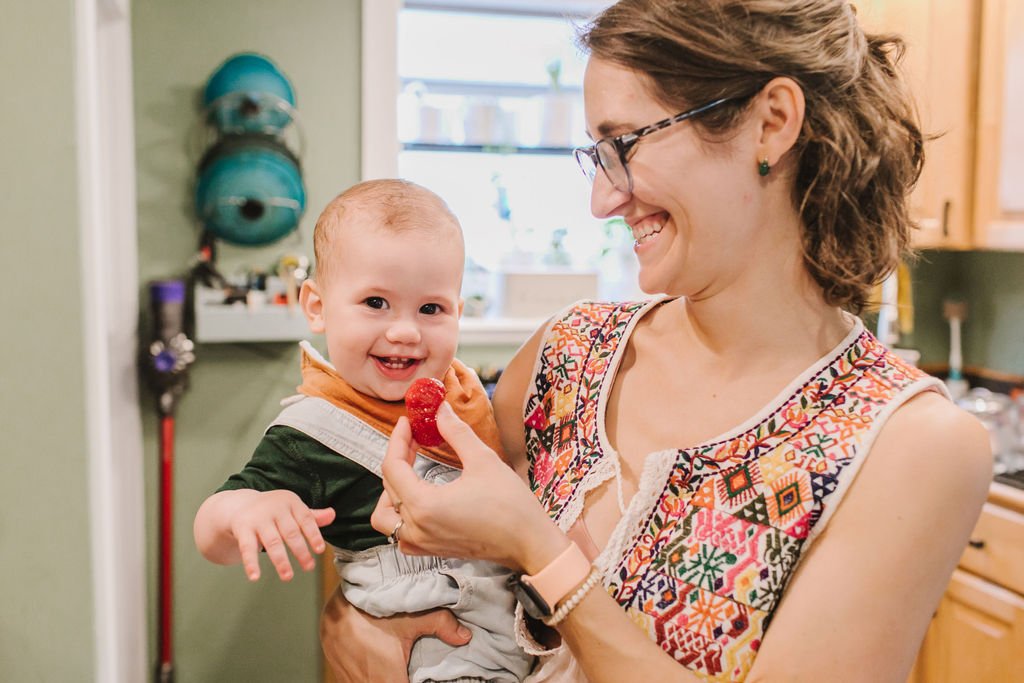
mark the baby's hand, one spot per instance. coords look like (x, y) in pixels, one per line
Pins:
(278, 521)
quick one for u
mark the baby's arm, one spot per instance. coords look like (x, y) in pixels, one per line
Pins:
(267, 504)
(232, 526)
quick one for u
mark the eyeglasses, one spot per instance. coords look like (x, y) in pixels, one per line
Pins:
(610, 153)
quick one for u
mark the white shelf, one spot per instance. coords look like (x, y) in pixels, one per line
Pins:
(217, 323)
(220, 323)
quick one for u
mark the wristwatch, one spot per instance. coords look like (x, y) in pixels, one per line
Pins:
(541, 592)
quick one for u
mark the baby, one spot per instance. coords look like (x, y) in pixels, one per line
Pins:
(385, 293)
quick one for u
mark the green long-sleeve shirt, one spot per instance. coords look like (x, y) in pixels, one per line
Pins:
(288, 459)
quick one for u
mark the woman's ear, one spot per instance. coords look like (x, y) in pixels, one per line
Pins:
(781, 111)
(312, 305)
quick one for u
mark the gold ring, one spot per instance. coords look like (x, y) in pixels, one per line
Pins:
(393, 536)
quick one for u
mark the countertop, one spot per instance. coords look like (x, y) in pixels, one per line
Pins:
(1011, 497)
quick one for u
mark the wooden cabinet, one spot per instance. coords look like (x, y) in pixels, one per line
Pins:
(965, 66)
(999, 173)
(940, 65)
(977, 633)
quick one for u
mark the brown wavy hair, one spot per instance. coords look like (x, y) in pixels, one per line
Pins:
(860, 150)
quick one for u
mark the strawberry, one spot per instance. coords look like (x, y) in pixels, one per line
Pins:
(422, 400)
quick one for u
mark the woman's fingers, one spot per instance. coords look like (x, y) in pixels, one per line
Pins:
(423, 505)
(361, 648)
(460, 436)
(400, 482)
(401, 452)
(410, 548)
(384, 516)
(443, 625)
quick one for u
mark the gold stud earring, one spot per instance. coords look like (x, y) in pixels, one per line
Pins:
(763, 168)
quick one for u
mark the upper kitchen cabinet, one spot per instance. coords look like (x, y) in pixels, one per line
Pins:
(941, 66)
(999, 188)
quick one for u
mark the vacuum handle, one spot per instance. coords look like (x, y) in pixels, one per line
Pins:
(167, 298)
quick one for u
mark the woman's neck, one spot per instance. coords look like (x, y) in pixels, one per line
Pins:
(762, 319)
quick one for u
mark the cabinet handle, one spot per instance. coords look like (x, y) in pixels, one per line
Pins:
(946, 208)
(976, 543)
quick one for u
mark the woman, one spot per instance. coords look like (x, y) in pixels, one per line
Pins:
(697, 447)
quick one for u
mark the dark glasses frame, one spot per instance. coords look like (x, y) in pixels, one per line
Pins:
(591, 157)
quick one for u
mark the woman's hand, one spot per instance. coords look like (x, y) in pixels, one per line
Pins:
(487, 513)
(364, 649)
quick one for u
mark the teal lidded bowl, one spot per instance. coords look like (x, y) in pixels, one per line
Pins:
(249, 190)
(248, 93)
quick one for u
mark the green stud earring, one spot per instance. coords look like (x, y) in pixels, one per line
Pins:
(763, 168)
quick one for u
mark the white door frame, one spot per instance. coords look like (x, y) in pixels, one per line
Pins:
(109, 260)
(379, 92)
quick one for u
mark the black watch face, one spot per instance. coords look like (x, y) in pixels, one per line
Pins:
(533, 604)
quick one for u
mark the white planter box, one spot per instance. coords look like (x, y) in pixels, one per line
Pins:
(541, 293)
(218, 323)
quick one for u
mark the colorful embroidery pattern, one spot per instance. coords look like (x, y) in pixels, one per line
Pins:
(706, 569)
(565, 395)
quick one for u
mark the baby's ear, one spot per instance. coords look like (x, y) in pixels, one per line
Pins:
(312, 306)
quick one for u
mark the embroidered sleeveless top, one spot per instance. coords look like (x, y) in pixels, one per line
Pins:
(703, 552)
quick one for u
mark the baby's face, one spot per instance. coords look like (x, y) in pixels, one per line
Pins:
(391, 308)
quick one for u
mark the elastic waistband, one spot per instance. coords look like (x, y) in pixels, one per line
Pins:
(391, 562)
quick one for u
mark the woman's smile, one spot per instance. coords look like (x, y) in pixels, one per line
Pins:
(646, 229)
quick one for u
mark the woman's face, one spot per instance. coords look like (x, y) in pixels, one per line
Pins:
(694, 203)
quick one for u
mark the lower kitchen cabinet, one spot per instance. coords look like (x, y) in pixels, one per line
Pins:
(977, 634)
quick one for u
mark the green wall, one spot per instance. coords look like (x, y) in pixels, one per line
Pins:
(228, 629)
(992, 285)
(46, 594)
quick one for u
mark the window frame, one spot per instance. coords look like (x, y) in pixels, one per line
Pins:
(380, 82)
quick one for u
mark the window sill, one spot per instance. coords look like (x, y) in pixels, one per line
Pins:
(495, 331)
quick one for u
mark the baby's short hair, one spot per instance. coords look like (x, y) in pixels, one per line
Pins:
(397, 205)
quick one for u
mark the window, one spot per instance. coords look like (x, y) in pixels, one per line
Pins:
(489, 110)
